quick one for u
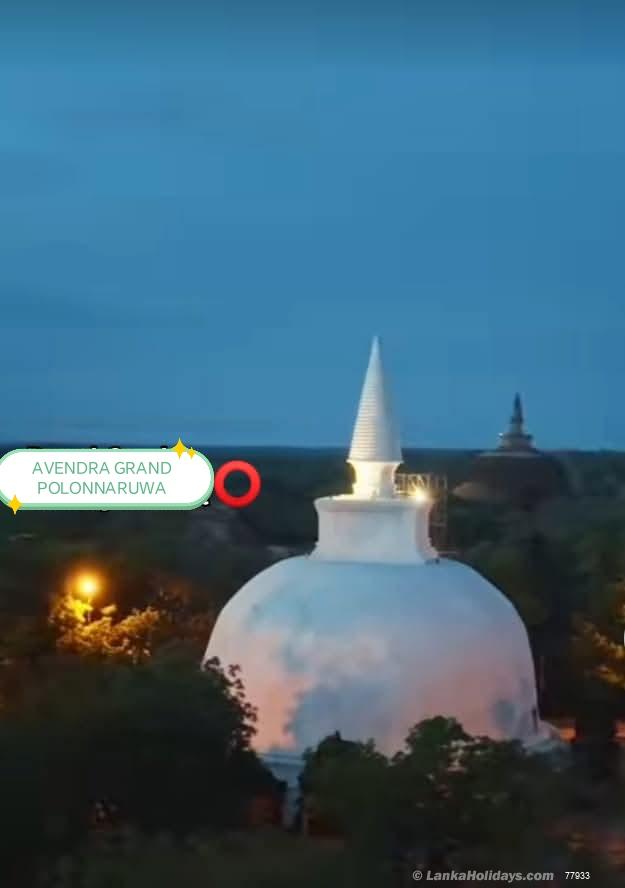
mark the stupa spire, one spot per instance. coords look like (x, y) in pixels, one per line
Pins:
(516, 420)
(375, 451)
(516, 438)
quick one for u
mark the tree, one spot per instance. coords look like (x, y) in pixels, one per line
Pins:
(602, 655)
(601, 564)
(598, 658)
(89, 631)
(269, 859)
(158, 745)
(509, 567)
(447, 798)
(358, 808)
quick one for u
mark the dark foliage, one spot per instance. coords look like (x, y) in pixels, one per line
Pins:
(91, 744)
(446, 801)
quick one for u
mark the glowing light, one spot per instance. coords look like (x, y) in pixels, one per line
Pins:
(87, 585)
(421, 495)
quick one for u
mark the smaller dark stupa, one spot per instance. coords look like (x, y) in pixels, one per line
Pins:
(515, 474)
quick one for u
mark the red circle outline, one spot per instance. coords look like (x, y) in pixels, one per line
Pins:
(237, 465)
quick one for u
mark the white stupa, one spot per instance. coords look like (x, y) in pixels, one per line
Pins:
(372, 632)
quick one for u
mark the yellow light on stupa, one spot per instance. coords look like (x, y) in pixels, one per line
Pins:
(421, 495)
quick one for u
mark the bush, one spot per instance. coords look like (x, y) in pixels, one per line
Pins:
(447, 798)
(160, 745)
(264, 860)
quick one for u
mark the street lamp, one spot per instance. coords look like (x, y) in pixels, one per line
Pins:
(87, 585)
(84, 586)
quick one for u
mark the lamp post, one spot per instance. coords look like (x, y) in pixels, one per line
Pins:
(86, 585)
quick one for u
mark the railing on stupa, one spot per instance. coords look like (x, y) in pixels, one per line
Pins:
(407, 483)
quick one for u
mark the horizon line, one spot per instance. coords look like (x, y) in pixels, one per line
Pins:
(7, 446)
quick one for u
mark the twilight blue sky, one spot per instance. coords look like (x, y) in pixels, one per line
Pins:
(205, 215)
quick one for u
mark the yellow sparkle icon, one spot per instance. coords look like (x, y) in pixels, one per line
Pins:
(179, 448)
(14, 504)
(191, 452)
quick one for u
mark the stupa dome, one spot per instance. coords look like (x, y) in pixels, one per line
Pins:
(373, 632)
(515, 473)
